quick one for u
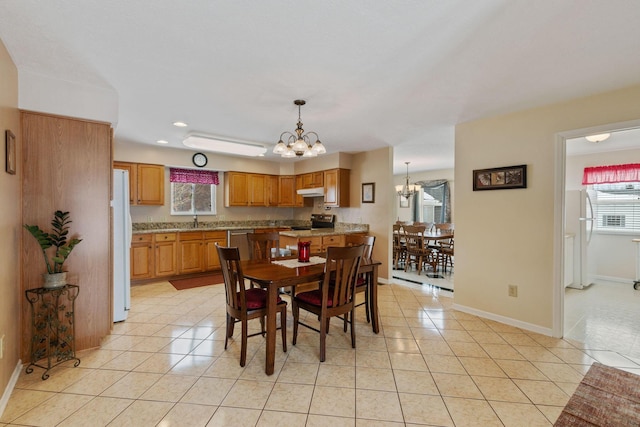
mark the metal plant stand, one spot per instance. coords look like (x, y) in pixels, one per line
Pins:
(52, 326)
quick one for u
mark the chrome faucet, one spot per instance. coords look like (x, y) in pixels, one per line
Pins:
(195, 221)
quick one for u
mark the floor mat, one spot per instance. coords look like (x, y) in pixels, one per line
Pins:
(196, 282)
(606, 396)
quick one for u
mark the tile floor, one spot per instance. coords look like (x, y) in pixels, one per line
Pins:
(430, 365)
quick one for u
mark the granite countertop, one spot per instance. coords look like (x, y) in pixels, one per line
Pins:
(341, 228)
(321, 232)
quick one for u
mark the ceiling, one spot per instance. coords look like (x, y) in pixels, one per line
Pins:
(374, 73)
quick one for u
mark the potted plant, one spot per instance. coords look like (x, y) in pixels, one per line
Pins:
(57, 239)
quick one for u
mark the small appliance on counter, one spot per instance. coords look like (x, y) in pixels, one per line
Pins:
(318, 221)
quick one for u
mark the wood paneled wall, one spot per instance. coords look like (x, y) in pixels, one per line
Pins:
(67, 166)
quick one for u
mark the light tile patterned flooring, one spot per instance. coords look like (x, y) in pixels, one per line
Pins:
(430, 365)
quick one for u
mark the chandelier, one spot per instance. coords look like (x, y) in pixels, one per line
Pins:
(299, 145)
(407, 190)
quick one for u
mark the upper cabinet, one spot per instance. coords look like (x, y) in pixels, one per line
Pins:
(251, 189)
(313, 179)
(286, 190)
(336, 188)
(246, 189)
(146, 182)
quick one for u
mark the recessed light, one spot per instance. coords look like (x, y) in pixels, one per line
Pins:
(162, 141)
(180, 124)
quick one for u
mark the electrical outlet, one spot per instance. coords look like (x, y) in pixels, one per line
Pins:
(149, 219)
(513, 290)
(2, 347)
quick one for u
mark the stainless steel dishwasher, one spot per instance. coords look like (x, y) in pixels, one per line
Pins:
(238, 238)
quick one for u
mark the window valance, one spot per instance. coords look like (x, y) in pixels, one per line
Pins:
(611, 174)
(193, 176)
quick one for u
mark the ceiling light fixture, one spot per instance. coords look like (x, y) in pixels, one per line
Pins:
(180, 124)
(212, 143)
(597, 138)
(407, 190)
(162, 141)
(299, 144)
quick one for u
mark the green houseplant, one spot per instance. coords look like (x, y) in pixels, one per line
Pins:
(58, 239)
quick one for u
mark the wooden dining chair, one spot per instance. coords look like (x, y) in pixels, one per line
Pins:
(418, 249)
(362, 284)
(245, 304)
(332, 299)
(399, 247)
(260, 245)
(446, 253)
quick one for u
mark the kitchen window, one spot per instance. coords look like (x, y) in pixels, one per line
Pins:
(193, 192)
(616, 204)
(617, 207)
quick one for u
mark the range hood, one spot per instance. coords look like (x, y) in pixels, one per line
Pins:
(311, 192)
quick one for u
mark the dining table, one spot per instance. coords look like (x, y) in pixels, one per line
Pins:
(272, 276)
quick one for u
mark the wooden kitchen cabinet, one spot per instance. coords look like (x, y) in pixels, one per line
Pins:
(273, 187)
(299, 200)
(313, 180)
(133, 179)
(286, 190)
(146, 182)
(336, 188)
(211, 238)
(245, 189)
(142, 265)
(258, 190)
(236, 189)
(150, 184)
(165, 254)
(191, 252)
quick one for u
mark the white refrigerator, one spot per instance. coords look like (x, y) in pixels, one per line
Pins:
(580, 220)
(121, 245)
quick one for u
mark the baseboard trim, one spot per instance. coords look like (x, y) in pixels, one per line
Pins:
(9, 389)
(506, 320)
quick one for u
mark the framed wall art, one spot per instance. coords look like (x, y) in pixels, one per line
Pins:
(500, 178)
(404, 202)
(10, 151)
(369, 192)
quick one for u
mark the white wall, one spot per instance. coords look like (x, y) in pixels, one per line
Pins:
(511, 236)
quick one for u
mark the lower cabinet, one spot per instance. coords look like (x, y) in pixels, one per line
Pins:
(165, 254)
(318, 243)
(156, 255)
(191, 252)
(211, 238)
(142, 265)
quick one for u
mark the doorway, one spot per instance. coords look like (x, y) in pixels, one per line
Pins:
(601, 312)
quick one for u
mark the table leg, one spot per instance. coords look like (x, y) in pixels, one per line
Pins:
(272, 302)
(373, 300)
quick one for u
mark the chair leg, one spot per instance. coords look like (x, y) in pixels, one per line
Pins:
(229, 334)
(243, 347)
(353, 328)
(323, 339)
(366, 301)
(346, 320)
(296, 314)
(262, 329)
(283, 327)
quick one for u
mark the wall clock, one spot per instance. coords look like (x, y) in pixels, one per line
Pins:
(200, 160)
